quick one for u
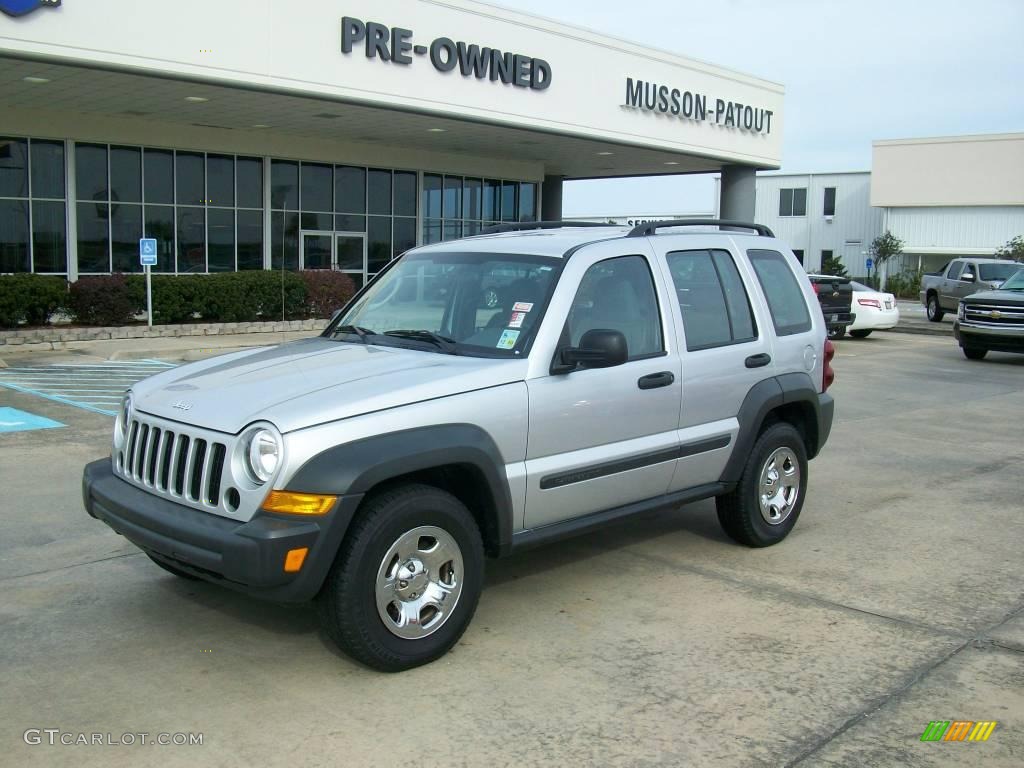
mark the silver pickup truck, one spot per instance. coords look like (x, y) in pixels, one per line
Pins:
(942, 291)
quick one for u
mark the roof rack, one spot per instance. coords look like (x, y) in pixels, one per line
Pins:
(652, 227)
(519, 226)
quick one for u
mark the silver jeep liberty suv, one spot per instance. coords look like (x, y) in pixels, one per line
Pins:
(479, 397)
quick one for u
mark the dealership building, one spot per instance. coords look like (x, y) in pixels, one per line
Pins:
(248, 135)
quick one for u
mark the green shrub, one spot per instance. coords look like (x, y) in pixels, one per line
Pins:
(103, 300)
(31, 299)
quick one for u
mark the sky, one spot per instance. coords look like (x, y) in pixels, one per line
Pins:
(854, 71)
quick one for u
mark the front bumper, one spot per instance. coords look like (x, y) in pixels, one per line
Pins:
(248, 557)
(985, 337)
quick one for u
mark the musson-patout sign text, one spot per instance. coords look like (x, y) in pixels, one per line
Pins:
(395, 45)
(652, 97)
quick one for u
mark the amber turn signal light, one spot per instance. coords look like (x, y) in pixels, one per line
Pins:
(289, 503)
(294, 559)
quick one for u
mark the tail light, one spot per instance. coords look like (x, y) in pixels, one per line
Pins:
(870, 303)
(815, 287)
(828, 375)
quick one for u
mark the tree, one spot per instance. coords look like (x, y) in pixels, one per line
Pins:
(833, 265)
(884, 247)
(1013, 250)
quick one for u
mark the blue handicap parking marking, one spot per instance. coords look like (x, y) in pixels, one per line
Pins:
(13, 420)
(96, 387)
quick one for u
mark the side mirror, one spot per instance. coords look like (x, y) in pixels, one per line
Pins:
(967, 277)
(599, 348)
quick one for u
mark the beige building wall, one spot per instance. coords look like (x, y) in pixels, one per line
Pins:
(950, 171)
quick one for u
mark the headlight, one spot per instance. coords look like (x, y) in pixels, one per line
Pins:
(263, 455)
(960, 312)
(124, 418)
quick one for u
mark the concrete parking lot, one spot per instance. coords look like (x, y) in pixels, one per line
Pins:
(898, 600)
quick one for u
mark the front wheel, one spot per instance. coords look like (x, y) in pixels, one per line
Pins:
(765, 505)
(935, 313)
(863, 333)
(975, 353)
(406, 581)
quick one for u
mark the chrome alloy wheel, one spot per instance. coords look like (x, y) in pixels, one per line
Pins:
(419, 582)
(779, 487)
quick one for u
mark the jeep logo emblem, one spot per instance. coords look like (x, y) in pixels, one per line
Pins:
(182, 405)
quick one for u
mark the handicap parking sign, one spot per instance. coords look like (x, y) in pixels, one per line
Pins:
(147, 251)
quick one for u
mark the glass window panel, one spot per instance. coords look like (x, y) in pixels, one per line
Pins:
(48, 170)
(190, 179)
(405, 235)
(220, 180)
(350, 253)
(250, 182)
(740, 314)
(14, 171)
(250, 239)
(618, 294)
(221, 235)
(785, 202)
(431, 196)
(93, 237)
(284, 240)
(471, 198)
(126, 228)
(317, 186)
(191, 240)
(284, 188)
(492, 196)
(349, 189)
(452, 230)
(800, 202)
(829, 204)
(527, 202)
(91, 172)
(14, 250)
(405, 193)
(126, 174)
(452, 197)
(508, 201)
(785, 297)
(159, 221)
(471, 228)
(346, 222)
(378, 185)
(431, 231)
(378, 243)
(322, 222)
(158, 165)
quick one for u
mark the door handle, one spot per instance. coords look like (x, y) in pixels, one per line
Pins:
(758, 361)
(655, 380)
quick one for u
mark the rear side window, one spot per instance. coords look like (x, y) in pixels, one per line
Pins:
(712, 299)
(785, 299)
(955, 270)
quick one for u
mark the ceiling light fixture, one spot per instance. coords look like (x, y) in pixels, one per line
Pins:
(437, 130)
(196, 99)
(260, 125)
(33, 79)
(671, 162)
(605, 154)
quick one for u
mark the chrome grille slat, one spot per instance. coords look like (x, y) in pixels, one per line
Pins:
(160, 473)
(172, 482)
(129, 454)
(140, 451)
(190, 465)
(147, 459)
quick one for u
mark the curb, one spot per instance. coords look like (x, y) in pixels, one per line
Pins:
(923, 330)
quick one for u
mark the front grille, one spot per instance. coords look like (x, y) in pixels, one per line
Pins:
(995, 315)
(181, 463)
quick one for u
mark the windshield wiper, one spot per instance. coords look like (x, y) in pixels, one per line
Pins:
(446, 345)
(354, 330)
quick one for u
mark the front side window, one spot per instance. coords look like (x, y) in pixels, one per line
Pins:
(785, 298)
(955, 269)
(618, 294)
(793, 202)
(713, 302)
(484, 305)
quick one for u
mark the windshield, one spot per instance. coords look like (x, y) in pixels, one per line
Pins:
(480, 304)
(1015, 283)
(990, 272)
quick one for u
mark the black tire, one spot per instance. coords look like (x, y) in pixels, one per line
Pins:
(935, 312)
(347, 602)
(739, 511)
(171, 569)
(862, 333)
(975, 353)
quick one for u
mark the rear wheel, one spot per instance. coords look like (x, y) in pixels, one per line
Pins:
(975, 353)
(765, 505)
(935, 313)
(406, 581)
(837, 333)
(861, 334)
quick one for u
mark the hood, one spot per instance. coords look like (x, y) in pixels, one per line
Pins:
(996, 297)
(312, 381)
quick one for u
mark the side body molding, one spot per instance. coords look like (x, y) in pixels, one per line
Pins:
(357, 467)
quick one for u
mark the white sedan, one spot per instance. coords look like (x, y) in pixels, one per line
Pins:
(874, 311)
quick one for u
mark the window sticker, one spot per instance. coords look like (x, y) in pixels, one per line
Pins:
(508, 339)
(522, 306)
(516, 321)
